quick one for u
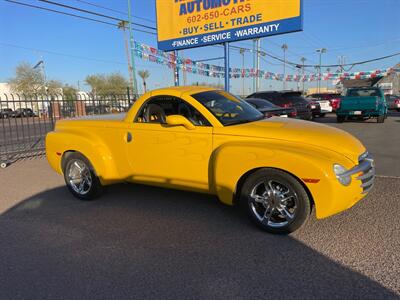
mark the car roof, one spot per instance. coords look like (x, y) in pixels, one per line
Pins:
(188, 89)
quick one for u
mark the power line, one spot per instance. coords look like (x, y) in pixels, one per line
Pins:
(64, 54)
(114, 10)
(74, 15)
(94, 13)
(60, 12)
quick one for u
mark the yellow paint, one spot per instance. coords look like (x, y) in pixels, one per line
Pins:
(212, 159)
(170, 23)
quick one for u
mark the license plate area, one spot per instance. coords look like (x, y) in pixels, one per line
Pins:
(356, 112)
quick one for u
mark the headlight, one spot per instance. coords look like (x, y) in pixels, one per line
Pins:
(339, 170)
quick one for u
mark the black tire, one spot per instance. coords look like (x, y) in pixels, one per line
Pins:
(300, 205)
(322, 115)
(340, 119)
(381, 119)
(90, 191)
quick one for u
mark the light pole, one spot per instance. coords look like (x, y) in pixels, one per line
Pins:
(327, 82)
(284, 48)
(41, 65)
(242, 51)
(303, 59)
(136, 91)
(320, 51)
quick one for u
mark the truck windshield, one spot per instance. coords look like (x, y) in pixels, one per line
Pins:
(227, 108)
(363, 93)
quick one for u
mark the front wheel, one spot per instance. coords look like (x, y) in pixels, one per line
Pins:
(275, 201)
(81, 178)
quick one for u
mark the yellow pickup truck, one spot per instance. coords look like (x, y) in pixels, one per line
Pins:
(206, 140)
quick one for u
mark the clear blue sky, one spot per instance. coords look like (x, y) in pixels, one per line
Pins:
(73, 48)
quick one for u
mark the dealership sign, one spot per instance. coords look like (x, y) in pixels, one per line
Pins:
(185, 24)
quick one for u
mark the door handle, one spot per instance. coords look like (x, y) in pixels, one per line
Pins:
(129, 137)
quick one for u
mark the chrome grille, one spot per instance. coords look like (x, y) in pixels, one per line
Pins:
(368, 172)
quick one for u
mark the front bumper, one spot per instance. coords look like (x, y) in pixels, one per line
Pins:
(332, 197)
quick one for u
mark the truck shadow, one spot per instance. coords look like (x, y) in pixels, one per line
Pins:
(147, 242)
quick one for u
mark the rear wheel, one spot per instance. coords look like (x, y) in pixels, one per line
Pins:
(340, 119)
(381, 119)
(81, 178)
(275, 201)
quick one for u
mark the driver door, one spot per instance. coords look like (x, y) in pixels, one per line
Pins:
(170, 156)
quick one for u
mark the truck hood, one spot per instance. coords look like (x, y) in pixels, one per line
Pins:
(299, 131)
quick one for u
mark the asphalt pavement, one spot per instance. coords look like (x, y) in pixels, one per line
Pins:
(147, 242)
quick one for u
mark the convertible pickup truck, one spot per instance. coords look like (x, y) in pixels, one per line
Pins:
(206, 140)
(362, 103)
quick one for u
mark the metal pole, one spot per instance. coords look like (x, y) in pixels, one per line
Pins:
(176, 68)
(135, 89)
(122, 25)
(303, 59)
(254, 65)
(242, 52)
(226, 53)
(319, 72)
(284, 47)
(258, 66)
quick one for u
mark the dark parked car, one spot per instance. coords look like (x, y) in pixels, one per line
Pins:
(24, 112)
(287, 99)
(393, 102)
(6, 113)
(269, 109)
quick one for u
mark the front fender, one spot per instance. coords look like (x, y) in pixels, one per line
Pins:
(232, 160)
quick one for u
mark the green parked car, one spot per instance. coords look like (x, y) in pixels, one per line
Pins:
(362, 103)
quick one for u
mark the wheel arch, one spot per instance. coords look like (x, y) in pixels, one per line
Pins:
(242, 180)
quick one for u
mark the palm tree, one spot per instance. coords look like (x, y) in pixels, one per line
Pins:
(144, 74)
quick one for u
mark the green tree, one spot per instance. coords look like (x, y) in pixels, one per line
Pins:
(69, 92)
(54, 87)
(102, 84)
(27, 80)
(144, 74)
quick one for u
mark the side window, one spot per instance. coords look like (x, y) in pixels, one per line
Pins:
(157, 109)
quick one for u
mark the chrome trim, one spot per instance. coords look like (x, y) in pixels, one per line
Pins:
(365, 166)
(371, 172)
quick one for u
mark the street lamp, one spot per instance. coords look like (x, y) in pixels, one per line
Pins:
(320, 51)
(40, 65)
(284, 48)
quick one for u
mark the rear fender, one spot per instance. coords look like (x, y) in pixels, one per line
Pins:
(59, 143)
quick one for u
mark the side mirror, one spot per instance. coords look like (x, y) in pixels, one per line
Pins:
(178, 120)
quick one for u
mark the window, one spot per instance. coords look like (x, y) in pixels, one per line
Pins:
(228, 109)
(364, 93)
(158, 108)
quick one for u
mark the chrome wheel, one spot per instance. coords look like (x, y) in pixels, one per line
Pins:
(273, 203)
(79, 177)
